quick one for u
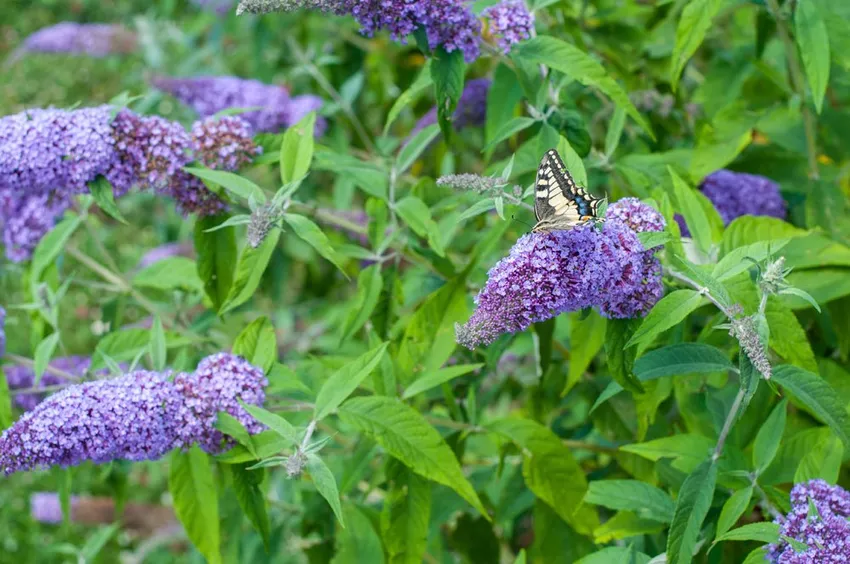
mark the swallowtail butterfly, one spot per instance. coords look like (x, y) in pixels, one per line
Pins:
(559, 203)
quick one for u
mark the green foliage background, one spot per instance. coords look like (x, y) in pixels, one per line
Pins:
(580, 440)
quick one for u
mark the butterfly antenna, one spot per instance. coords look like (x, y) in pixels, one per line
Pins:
(513, 217)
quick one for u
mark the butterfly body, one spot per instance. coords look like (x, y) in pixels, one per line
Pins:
(559, 203)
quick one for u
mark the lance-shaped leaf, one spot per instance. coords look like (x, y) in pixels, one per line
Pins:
(692, 505)
(345, 380)
(314, 236)
(192, 487)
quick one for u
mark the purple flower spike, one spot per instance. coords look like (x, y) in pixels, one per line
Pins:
(551, 273)
(447, 23)
(511, 22)
(139, 416)
(826, 533)
(2, 331)
(219, 381)
(126, 418)
(209, 95)
(94, 40)
(27, 222)
(223, 143)
(737, 193)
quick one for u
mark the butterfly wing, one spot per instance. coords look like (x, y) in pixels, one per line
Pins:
(559, 203)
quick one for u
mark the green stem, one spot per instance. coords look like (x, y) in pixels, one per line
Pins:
(799, 86)
(727, 425)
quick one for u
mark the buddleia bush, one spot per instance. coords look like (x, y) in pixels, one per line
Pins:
(360, 281)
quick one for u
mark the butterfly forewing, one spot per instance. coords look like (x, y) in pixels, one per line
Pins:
(559, 203)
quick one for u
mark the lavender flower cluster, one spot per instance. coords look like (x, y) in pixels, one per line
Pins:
(551, 273)
(510, 22)
(49, 155)
(139, 416)
(92, 39)
(826, 533)
(272, 108)
(737, 193)
(2, 331)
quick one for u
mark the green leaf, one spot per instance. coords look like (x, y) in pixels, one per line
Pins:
(429, 338)
(43, 353)
(266, 444)
(586, 339)
(157, 347)
(735, 261)
(509, 129)
(669, 311)
(296, 150)
(620, 357)
(423, 81)
(821, 461)
(615, 131)
(345, 380)
(479, 207)
(692, 506)
(433, 379)
(5, 402)
(257, 343)
(325, 483)
(652, 239)
(195, 499)
(217, 254)
(787, 336)
(813, 41)
(405, 517)
(417, 215)
(447, 73)
(643, 499)
(693, 25)
(768, 437)
(231, 426)
(688, 446)
(371, 178)
(274, 422)
(126, 344)
(817, 396)
(172, 273)
(733, 509)
(504, 94)
(761, 532)
(577, 64)
(369, 286)
(407, 436)
(233, 183)
(693, 212)
(550, 471)
(358, 542)
(623, 525)
(96, 542)
(414, 148)
(619, 554)
(249, 270)
(101, 190)
(572, 161)
(51, 245)
(314, 236)
(246, 486)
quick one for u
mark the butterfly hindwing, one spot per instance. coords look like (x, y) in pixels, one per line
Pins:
(559, 203)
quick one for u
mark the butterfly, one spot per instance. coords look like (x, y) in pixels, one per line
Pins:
(560, 204)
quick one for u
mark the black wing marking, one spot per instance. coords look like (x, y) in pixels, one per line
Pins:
(558, 199)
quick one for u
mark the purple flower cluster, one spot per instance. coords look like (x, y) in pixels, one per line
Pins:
(551, 273)
(139, 416)
(273, 109)
(737, 193)
(223, 143)
(510, 22)
(220, 7)
(92, 39)
(45, 507)
(827, 533)
(447, 23)
(48, 156)
(471, 108)
(21, 377)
